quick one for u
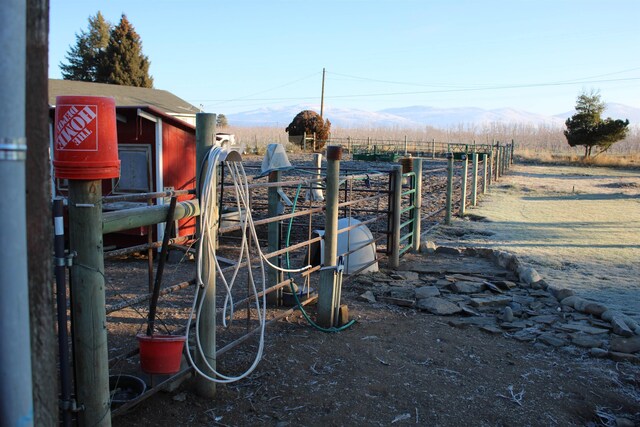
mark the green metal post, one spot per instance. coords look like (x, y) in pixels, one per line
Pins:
(394, 258)
(490, 164)
(485, 160)
(274, 276)
(327, 290)
(463, 185)
(449, 206)
(417, 203)
(205, 137)
(474, 179)
(498, 157)
(88, 303)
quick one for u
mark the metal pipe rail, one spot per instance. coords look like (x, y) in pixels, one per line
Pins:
(146, 196)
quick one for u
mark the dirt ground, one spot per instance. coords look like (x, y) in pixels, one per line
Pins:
(402, 366)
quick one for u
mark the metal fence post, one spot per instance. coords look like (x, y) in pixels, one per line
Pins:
(394, 258)
(274, 276)
(463, 185)
(205, 137)
(474, 179)
(417, 203)
(498, 158)
(485, 160)
(327, 287)
(449, 207)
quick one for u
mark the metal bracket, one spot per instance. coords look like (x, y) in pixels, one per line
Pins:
(69, 258)
(70, 405)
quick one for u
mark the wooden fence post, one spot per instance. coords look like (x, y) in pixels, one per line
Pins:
(88, 303)
(449, 207)
(205, 137)
(327, 290)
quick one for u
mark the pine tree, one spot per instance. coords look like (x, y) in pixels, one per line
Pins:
(123, 62)
(85, 56)
(588, 128)
(221, 121)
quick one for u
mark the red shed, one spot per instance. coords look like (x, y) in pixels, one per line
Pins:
(156, 146)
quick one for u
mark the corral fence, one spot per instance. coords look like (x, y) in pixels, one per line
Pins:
(296, 217)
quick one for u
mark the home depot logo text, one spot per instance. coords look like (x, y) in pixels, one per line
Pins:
(76, 127)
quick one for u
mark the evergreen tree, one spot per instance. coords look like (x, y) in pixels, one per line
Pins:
(588, 128)
(84, 57)
(123, 62)
(221, 121)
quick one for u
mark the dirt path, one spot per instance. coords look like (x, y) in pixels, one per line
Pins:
(579, 227)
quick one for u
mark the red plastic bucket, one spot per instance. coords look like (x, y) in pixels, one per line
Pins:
(160, 354)
(85, 144)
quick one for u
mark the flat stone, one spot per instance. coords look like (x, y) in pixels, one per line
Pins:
(468, 310)
(397, 301)
(561, 293)
(598, 352)
(441, 283)
(625, 345)
(438, 306)
(467, 287)
(623, 357)
(493, 288)
(540, 284)
(595, 309)
(491, 329)
(428, 247)
(552, 340)
(472, 321)
(528, 334)
(427, 292)
(581, 327)
(447, 250)
(403, 293)
(518, 324)
(464, 278)
(405, 275)
(571, 301)
(507, 314)
(547, 319)
(528, 275)
(505, 284)
(599, 323)
(609, 315)
(539, 293)
(492, 301)
(368, 297)
(523, 299)
(620, 327)
(586, 341)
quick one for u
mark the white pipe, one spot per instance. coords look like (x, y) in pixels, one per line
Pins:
(16, 405)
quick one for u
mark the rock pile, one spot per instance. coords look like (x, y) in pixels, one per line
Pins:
(492, 290)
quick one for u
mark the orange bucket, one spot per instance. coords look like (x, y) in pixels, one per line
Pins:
(85, 144)
(160, 354)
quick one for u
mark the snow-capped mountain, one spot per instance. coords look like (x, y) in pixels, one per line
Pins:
(417, 116)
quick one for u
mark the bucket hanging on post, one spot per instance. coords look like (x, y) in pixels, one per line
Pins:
(85, 145)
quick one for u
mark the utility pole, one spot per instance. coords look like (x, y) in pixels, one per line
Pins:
(322, 96)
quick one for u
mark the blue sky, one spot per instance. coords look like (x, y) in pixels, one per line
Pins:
(242, 55)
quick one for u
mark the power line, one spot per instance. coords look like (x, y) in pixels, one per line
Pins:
(445, 90)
